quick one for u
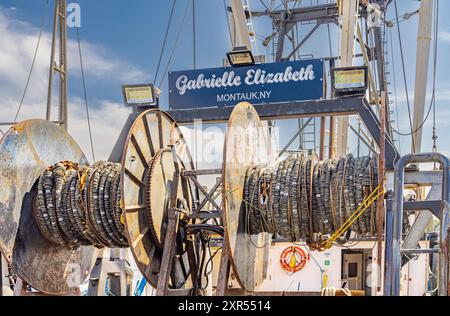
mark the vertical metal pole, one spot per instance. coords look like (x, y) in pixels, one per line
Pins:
(332, 135)
(63, 115)
(59, 20)
(399, 182)
(332, 139)
(52, 62)
(168, 251)
(422, 62)
(381, 171)
(444, 271)
(349, 13)
(224, 271)
(240, 24)
(396, 260)
(388, 239)
(281, 38)
(323, 126)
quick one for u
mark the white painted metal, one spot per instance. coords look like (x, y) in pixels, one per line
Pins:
(354, 275)
(240, 27)
(421, 221)
(348, 18)
(251, 27)
(415, 273)
(422, 62)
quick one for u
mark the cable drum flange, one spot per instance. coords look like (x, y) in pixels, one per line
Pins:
(26, 152)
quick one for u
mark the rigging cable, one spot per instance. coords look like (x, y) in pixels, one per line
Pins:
(44, 18)
(433, 97)
(228, 22)
(85, 95)
(165, 40)
(174, 46)
(194, 35)
(404, 78)
(394, 77)
(436, 27)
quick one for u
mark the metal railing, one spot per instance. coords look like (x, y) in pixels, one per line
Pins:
(394, 227)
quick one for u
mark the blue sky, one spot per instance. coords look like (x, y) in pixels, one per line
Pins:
(122, 42)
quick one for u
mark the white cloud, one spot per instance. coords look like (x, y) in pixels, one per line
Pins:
(16, 53)
(445, 36)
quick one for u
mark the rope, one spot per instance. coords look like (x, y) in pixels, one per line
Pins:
(44, 18)
(85, 95)
(352, 219)
(331, 291)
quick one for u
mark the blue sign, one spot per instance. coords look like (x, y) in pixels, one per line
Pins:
(257, 84)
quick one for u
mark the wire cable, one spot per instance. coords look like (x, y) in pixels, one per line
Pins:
(85, 94)
(44, 18)
(433, 96)
(228, 22)
(436, 33)
(165, 40)
(265, 5)
(175, 45)
(404, 78)
(394, 77)
(194, 35)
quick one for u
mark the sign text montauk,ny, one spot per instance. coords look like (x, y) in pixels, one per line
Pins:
(265, 83)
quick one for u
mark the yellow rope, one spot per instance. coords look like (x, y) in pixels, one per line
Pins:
(327, 244)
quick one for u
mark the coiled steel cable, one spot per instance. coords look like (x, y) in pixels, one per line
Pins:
(301, 198)
(79, 205)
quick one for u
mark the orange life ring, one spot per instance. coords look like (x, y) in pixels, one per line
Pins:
(293, 259)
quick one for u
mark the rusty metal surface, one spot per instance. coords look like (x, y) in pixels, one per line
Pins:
(152, 131)
(247, 144)
(159, 191)
(25, 151)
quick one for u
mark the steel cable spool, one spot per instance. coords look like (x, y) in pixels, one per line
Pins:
(86, 200)
(298, 198)
(68, 206)
(154, 148)
(247, 145)
(26, 152)
(311, 198)
(74, 229)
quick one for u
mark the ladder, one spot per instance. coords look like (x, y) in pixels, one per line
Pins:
(307, 138)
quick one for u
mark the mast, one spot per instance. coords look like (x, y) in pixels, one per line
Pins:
(348, 11)
(422, 62)
(59, 26)
(241, 36)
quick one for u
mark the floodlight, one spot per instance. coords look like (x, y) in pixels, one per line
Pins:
(240, 56)
(349, 80)
(140, 95)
